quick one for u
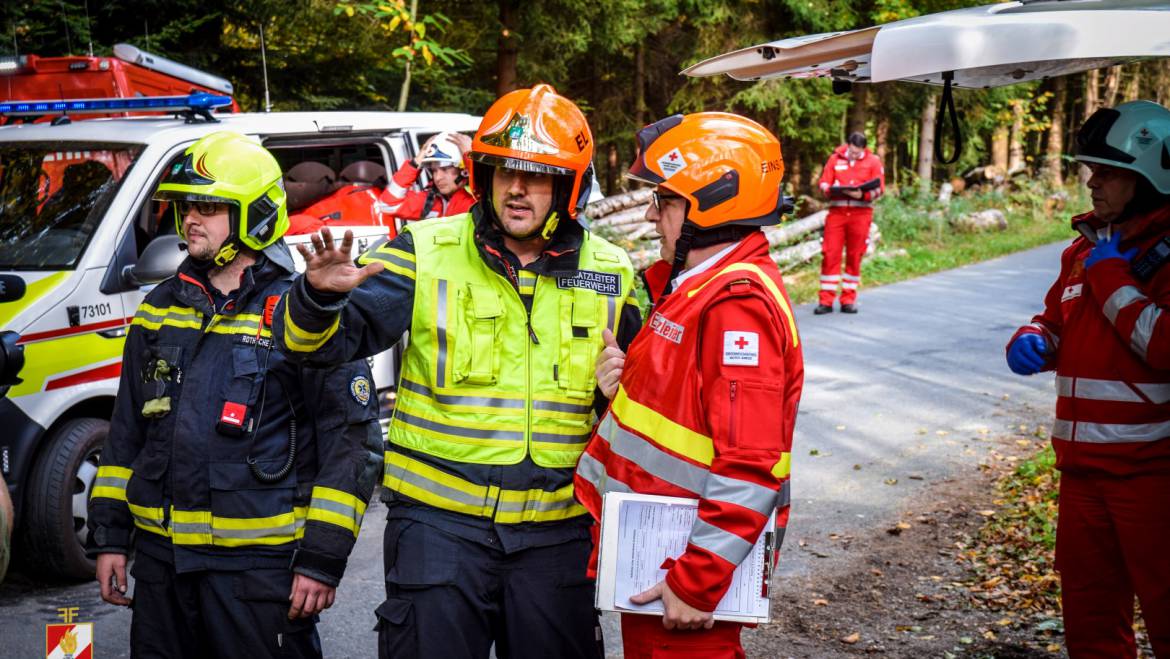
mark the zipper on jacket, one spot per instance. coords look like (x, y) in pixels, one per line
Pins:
(731, 436)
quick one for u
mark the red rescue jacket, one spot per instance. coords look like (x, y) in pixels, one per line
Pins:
(841, 171)
(1109, 342)
(407, 204)
(705, 409)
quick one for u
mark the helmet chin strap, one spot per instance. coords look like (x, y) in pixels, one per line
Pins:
(227, 252)
(682, 247)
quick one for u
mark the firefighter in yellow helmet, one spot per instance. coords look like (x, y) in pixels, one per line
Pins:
(237, 476)
(506, 306)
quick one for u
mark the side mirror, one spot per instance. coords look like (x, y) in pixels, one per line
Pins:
(159, 261)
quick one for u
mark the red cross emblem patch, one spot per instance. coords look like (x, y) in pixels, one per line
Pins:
(741, 348)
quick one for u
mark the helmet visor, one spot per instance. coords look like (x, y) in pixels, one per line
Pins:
(1092, 138)
(521, 165)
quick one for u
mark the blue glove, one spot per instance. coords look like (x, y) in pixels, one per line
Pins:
(1026, 355)
(1109, 249)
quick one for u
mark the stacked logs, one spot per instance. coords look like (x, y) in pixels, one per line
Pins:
(622, 218)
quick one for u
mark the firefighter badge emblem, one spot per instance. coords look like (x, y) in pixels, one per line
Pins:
(359, 388)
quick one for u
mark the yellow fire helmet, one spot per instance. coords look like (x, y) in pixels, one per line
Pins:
(233, 169)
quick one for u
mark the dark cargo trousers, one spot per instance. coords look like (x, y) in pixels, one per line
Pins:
(202, 615)
(448, 596)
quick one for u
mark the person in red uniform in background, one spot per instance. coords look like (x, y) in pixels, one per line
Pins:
(853, 178)
(704, 403)
(444, 156)
(1106, 333)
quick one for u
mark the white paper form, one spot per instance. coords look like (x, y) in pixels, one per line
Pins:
(650, 529)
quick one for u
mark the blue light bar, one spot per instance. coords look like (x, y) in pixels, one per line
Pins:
(198, 102)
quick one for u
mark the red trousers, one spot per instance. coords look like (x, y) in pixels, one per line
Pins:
(1112, 542)
(849, 227)
(644, 637)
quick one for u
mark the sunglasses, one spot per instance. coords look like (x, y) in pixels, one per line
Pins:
(658, 199)
(204, 208)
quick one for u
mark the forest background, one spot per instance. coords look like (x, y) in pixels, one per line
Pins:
(619, 59)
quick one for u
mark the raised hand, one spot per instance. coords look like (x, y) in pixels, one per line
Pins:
(610, 363)
(330, 268)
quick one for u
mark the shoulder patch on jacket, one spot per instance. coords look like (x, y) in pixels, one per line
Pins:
(741, 348)
(359, 388)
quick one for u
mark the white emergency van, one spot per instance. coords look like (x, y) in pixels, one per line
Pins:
(76, 219)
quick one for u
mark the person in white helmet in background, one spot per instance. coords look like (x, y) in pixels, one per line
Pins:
(447, 194)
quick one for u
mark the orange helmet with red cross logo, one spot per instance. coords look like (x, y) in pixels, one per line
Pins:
(535, 130)
(728, 168)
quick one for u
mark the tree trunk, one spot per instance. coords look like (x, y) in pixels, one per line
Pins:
(859, 111)
(883, 151)
(926, 143)
(1016, 139)
(796, 175)
(404, 92)
(640, 86)
(999, 148)
(611, 170)
(1133, 85)
(1055, 149)
(1091, 104)
(507, 48)
(1112, 82)
(1161, 93)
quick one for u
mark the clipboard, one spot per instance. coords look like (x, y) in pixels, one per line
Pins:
(642, 532)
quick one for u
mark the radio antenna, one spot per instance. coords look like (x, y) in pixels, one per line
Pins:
(88, 28)
(264, 65)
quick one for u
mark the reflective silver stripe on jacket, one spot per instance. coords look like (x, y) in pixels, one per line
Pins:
(1112, 390)
(653, 461)
(552, 438)
(470, 401)
(1110, 433)
(594, 472)
(1143, 329)
(855, 203)
(724, 544)
(458, 431)
(441, 333)
(1121, 298)
(553, 406)
(741, 493)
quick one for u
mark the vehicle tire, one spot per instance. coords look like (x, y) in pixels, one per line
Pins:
(53, 529)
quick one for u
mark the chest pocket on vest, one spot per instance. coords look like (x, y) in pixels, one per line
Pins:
(477, 352)
(243, 388)
(582, 319)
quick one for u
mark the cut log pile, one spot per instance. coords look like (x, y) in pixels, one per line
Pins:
(622, 218)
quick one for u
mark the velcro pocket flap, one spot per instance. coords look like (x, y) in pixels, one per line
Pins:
(486, 307)
(232, 476)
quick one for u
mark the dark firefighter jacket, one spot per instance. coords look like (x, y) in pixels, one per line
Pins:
(206, 418)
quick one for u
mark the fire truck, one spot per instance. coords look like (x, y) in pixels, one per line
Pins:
(81, 241)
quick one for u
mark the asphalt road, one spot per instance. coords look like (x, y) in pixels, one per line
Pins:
(904, 390)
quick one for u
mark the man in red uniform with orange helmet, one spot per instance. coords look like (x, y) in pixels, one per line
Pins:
(1104, 332)
(704, 403)
(852, 179)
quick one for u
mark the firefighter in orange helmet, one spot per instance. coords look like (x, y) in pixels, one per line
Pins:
(506, 306)
(704, 403)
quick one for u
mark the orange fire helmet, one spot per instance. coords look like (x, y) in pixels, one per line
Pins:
(536, 130)
(727, 167)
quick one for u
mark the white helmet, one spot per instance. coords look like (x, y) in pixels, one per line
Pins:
(1133, 136)
(443, 151)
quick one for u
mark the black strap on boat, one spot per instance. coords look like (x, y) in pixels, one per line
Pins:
(947, 105)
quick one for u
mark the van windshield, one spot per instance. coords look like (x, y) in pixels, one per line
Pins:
(52, 197)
